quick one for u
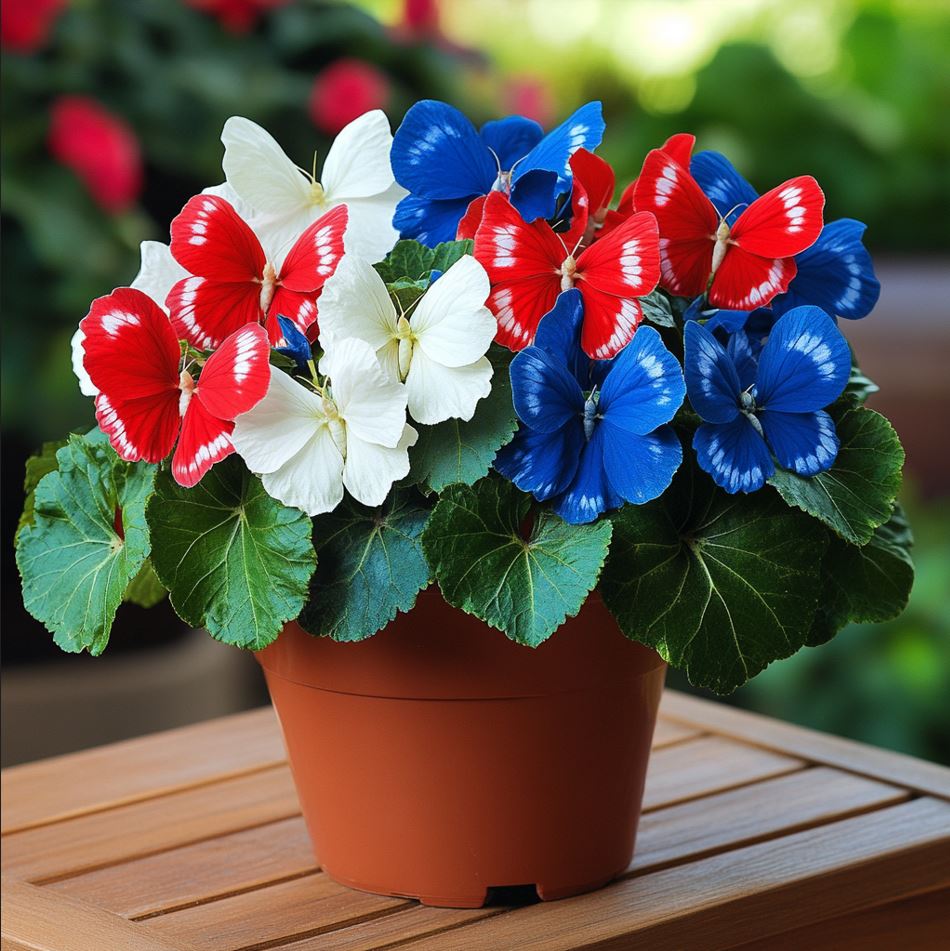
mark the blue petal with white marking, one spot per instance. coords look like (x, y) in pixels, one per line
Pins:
(805, 364)
(511, 139)
(589, 492)
(430, 222)
(734, 454)
(543, 464)
(583, 130)
(805, 443)
(545, 394)
(835, 274)
(712, 381)
(640, 468)
(723, 185)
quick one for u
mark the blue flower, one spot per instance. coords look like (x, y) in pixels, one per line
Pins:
(593, 432)
(296, 346)
(756, 408)
(835, 273)
(445, 164)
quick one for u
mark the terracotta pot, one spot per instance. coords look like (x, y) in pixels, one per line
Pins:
(439, 760)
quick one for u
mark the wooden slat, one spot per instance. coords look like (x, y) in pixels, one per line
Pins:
(35, 920)
(916, 774)
(739, 896)
(140, 828)
(199, 872)
(708, 764)
(921, 922)
(305, 906)
(148, 766)
(668, 732)
(701, 827)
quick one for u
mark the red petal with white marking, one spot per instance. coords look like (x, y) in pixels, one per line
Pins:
(211, 240)
(205, 440)
(471, 219)
(205, 311)
(518, 307)
(685, 265)
(511, 250)
(626, 262)
(130, 349)
(300, 308)
(237, 375)
(679, 147)
(745, 281)
(609, 322)
(143, 428)
(782, 222)
(316, 253)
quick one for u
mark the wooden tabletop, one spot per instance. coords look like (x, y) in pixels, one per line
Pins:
(755, 834)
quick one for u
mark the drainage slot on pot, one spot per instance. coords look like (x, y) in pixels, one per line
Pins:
(508, 895)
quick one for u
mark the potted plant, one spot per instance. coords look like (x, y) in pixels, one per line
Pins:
(468, 491)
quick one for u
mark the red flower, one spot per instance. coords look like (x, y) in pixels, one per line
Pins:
(25, 24)
(345, 90)
(100, 148)
(527, 96)
(238, 16)
(421, 17)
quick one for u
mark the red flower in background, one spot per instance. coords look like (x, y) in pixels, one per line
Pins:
(100, 148)
(420, 17)
(531, 97)
(344, 91)
(238, 16)
(25, 25)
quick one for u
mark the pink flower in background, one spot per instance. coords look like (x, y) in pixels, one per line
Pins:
(529, 96)
(345, 90)
(420, 17)
(100, 148)
(25, 25)
(238, 16)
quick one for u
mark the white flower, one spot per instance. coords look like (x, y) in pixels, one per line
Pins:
(284, 200)
(439, 350)
(158, 273)
(308, 446)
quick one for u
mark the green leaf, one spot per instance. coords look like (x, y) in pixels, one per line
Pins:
(234, 560)
(406, 292)
(456, 451)
(74, 561)
(370, 564)
(145, 589)
(857, 493)
(446, 254)
(657, 309)
(867, 583)
(484, 566)
(36, 467)
(859, 386)
(408, 260)
(720, 585)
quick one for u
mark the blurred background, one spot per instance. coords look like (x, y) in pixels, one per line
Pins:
(111, 113)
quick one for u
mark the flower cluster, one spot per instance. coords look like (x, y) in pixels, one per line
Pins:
(459, 329)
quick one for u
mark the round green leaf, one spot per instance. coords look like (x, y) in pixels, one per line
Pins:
(720, 585)
(75, 562)
(524, 587)
(857, 493)
(234, 560)
(370, 565)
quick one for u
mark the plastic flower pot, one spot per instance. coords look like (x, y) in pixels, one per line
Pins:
(440, 761)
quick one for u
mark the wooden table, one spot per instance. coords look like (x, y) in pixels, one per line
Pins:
(755, 834)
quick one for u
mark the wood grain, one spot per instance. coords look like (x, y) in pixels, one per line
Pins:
(916, 774)
(768, 888)
(708, 764)
(37, 920)
(153, 825)
(64, 786)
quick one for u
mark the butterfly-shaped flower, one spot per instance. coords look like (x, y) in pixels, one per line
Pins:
(158, 273)
(754, 410)
(438, 348)
(592, 435)
(309, 444)
(739, 262)
(835, 273)
(146, 396)
(233, 283)
(446, 165)
(285, 201)
(529, 265)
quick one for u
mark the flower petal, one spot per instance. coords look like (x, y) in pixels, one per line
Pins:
(437, 393)
(542, 463)
(370, 232)
(357, 165)
(312, 479)
(451, 322)
(590, 492)
(734, 454)
(355, 303)
(371, 469)
(640, 467)
(159, 272)
(806, 443)
(86, 386)
(268, 435)
(544, 392)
